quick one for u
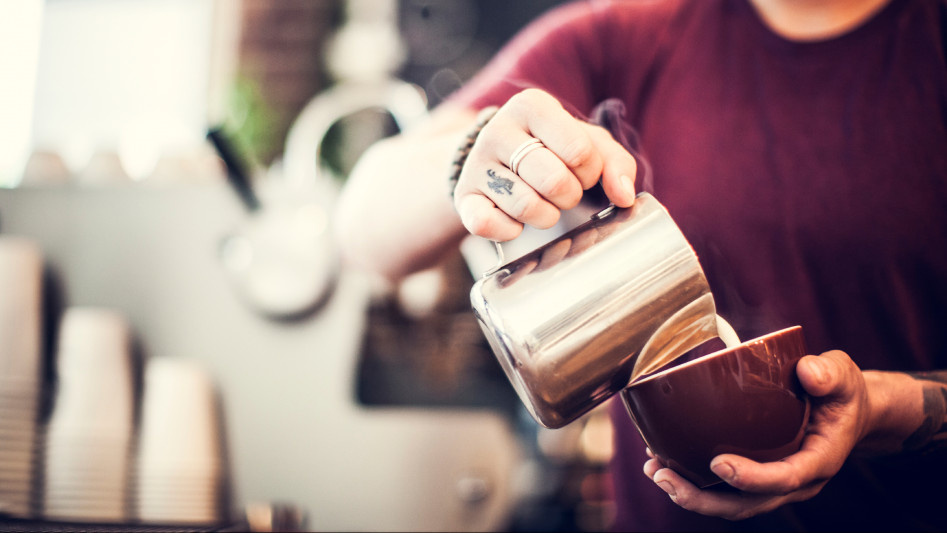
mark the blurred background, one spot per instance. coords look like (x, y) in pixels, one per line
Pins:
(168, 170)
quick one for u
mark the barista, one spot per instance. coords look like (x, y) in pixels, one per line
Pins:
(800, 147)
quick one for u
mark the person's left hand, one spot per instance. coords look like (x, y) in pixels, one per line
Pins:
(838, 421)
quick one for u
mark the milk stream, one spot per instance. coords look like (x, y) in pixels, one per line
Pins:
(726, 333)
(649, 362)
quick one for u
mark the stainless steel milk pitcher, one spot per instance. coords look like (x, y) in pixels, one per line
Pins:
(576, 320)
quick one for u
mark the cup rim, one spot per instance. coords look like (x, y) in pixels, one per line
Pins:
(723, 351)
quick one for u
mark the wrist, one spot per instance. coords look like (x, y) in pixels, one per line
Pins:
(895, 410)
(460, 155)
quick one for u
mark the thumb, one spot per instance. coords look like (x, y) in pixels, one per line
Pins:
(619, 168)
(825, 375)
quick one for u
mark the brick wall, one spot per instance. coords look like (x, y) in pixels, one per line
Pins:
(281, 65)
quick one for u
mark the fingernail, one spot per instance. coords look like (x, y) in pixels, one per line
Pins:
(818, 370)
(668, 488)
(723, 470)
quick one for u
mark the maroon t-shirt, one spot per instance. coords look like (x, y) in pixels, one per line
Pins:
(811, 179)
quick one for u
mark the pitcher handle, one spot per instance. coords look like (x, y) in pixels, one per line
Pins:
(501, 260)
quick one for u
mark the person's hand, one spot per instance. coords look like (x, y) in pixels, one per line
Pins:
(838, 421)
(495, 195)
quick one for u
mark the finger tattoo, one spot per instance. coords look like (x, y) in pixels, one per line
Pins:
(499, 184)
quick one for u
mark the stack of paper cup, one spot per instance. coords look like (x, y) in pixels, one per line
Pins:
(104, 168)
(180, 471)
(43, 168)
(21, 370)
(89, 438)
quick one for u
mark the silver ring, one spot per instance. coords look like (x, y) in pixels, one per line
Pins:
(520, 153)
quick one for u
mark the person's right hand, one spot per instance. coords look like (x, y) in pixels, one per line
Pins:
(494, 202)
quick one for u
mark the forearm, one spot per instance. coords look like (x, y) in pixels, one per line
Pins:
(908, 413)
(931, 435)
(395, 215)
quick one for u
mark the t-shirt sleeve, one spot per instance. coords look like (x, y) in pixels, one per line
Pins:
(562, 52)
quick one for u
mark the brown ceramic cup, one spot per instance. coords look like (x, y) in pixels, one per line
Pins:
(744, 399)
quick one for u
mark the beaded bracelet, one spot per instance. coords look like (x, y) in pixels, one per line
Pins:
(461, 156)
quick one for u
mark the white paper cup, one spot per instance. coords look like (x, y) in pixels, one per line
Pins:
(93, 336)
(179, 424)
(179, 464)
(95, 392)
(21, 276)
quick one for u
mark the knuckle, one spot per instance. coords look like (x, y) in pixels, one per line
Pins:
(792, 484)
(740, 515)
(472, 214)
(481, 225)
(577, 152)
(599, 132)
(547, 220)
(683, 500)
(529, 102)
(565, 189)
(520, 101)
(487, 139)
(531, 94)
(533, 210)
(524, 207)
